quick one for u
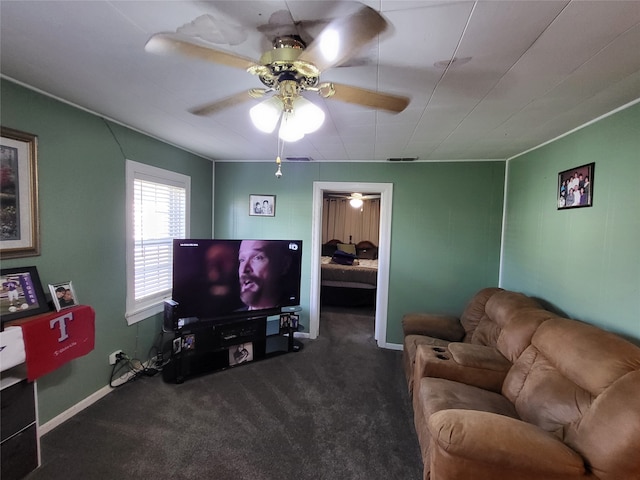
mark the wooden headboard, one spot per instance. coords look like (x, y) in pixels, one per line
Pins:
(366, 249)
(329, 248)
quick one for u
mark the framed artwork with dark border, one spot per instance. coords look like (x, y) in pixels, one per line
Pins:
(575, 187)
(22, 294)
(262, 205)
(19, 217)
(63, 295)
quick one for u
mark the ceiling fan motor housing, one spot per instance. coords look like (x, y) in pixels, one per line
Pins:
(281, 63)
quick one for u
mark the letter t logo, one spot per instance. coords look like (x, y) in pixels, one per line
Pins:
(62, 326)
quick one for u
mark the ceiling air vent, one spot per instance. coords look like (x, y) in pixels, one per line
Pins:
(402, 159)
(299, 159)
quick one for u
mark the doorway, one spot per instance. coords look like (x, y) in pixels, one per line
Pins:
(384, 249)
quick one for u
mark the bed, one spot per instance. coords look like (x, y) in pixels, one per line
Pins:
(349, 285)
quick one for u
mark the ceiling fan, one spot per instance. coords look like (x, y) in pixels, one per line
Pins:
(292, 67)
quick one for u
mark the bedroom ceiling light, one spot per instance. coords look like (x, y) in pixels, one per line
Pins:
(356, 200)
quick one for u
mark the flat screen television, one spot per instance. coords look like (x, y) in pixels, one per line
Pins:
(215, 279)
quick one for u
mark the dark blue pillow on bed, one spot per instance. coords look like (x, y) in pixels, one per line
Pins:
(343, 258)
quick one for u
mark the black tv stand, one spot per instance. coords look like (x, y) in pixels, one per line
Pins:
(204, 346)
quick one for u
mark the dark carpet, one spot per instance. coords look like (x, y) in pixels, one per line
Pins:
(337, 409)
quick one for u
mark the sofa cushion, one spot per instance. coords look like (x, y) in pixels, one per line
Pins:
(478, 356)
(596, 359)
(445, 327)
(436, 394)
(582, 384)
(517, 333)
(500, 309)
(474, 311)
(608, 433)
(476, 445)
(475, 365)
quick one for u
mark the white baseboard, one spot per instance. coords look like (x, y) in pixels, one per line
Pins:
(81, 405)
(392, 346)
(78, 407)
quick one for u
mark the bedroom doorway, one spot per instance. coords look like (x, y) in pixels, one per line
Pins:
(386, 196)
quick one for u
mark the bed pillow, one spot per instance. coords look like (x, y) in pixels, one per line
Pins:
(348, 248)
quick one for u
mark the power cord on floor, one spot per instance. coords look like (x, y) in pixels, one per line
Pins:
(127, 369)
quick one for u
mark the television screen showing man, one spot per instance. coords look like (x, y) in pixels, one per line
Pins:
(263, 267)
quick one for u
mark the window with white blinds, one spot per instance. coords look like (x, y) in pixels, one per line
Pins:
(158, 212)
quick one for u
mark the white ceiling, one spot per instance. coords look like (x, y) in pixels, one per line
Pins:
(536, 70)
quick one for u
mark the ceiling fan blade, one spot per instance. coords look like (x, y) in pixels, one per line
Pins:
(214, 107)
(164, 43)
(352, 33)
(368, 98)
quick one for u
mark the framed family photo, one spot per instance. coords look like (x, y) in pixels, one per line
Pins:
(63, 295)
(262, 205)
(19, 217)
(575, 187)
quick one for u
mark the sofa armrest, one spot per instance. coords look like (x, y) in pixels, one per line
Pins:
(445, 327)
(477, 365)
(473, 444)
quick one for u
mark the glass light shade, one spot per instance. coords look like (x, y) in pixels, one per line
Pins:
(290, 130)
(330, 44)
(266, 114)
(355, 202)
(309, 116)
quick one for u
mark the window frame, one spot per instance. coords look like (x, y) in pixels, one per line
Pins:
(137, 310)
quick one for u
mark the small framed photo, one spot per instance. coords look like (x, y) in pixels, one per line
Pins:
(285, 321)
(21, 294)
(575, 187)
(63, 295)
(262, 205)
(241, 353)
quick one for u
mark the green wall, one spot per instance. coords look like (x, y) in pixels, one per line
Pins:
(586, 261)
(446, 226)
(445, 241)
(81, 168)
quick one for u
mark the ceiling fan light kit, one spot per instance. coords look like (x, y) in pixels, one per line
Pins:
(265, 115)
(356, 202)
(290, 128)
(290, 68)
(299, 117)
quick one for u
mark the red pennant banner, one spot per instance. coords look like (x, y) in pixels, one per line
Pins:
(53, 339)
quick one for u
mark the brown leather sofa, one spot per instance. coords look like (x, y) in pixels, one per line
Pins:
(434, 330)
(567, 406)
(432, 334)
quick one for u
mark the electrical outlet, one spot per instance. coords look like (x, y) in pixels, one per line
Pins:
(113, 357)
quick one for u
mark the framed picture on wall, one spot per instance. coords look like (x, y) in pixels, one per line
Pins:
(19, 218)
(575, 187)
(262, 205)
